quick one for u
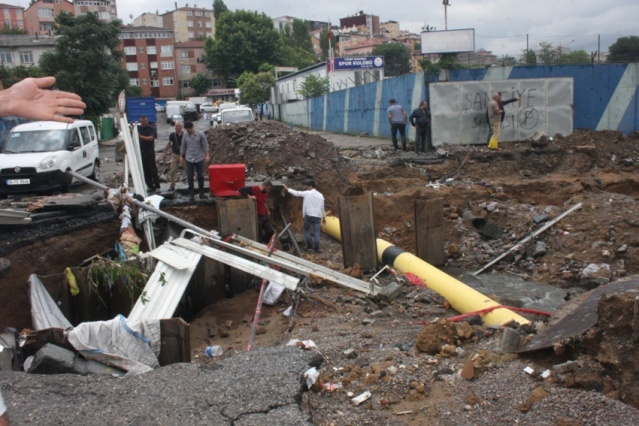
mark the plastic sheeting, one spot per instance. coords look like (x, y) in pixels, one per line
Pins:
(44, 311)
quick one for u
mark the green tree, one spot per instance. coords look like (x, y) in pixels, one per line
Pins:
(314, 86)
(133, 91)
(548, 55)
(290, 55)
(396, 58)
(530, 57)
(201, 83)
(625, 49)
(301, 37)
(324, 43)
(255, 88)
(575, 57)
(219, 8)
(86, 61)
(10, 76)
(243, 41)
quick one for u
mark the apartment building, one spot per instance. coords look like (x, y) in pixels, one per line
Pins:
(23, 50)
(40, 16)
(149, 59)
(190, 23)
(11, 16)
(106, 9)
(188, 58)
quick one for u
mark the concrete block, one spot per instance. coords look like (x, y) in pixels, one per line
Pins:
(509, 340)
(390, 292)
(52, 359)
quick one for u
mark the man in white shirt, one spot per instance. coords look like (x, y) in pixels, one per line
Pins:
(313, 212)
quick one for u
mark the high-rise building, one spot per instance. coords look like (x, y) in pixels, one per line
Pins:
(149, 60)
(40, 15)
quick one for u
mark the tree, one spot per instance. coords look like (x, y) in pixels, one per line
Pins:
(548, 55)
(290, 55)
(530, 57)
(396, 58)
(301, 37)
(200, 83)
(324, 42)
(133, 91)
(219, 8)
(10, 76)
(86, 61)
(255, 88)
(314, 86)
(243, 41)
(625, 49)
(575, 57)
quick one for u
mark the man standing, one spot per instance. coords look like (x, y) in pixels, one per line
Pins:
(147, 135)
(397, 120)
(195, 152)
(260, 194)
(173, 147)
(501, 103)
(420, 120)
(313, 212)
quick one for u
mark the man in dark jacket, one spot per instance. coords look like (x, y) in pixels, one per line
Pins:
(420, 120)
(500, 104)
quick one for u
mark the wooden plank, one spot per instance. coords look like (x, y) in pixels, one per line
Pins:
(430, 230)
(238, 216)
(358, 231)
(175, 341)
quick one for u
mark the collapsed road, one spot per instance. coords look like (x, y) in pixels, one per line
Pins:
(416, 373)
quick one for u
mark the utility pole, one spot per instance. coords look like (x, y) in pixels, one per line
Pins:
(446, 3)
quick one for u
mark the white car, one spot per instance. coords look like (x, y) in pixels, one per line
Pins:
(36, 156)
(175, 117)
(160, 108)
(208, 107)
(234, 115)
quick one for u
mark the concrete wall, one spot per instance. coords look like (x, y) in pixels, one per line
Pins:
(606, 97)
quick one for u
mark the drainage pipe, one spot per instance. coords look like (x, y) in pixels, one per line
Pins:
(461, 297)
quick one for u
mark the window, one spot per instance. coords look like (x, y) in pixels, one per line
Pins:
(142, 65)
(129, 50)
(190, 23)
(200, 34)
(141, 49)
(208, 24)
(6, 58)
(26, 57)
(189, 13)
(186, 69)
(207, 14)
(47, 26)
(167, 81)
(199, 24)
(151, 50)
(167, 65)
(85, 135)
(45, 13)
(185, 53)
(134, 82)
(104, 16)
(166, 50)
(7, 23)
(216, 83)
(191, 34)
(144, 82)
(155, 83)
(131, 66)
(153, 65)
(198, 13)
(185, 84)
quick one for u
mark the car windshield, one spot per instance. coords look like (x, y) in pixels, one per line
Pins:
(237, 116)
(36, 141)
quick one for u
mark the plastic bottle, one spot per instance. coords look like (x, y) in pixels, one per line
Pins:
(215, 350)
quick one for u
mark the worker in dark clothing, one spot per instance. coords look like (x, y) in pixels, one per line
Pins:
(420, 120)
(147, 135)
(259, 193)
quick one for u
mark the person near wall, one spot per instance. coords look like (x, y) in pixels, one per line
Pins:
(500, 103)
(397, 121)
(420, 120)
(313, 212)
(173, 147)
(195, 153)
(259, 193)
(30, 99)
(147, 134)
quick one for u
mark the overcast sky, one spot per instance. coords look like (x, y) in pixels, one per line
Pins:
(500, 25)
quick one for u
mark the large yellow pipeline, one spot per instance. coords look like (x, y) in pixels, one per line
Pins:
(462, 298)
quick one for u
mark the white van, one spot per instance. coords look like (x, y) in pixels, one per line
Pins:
(36, 156)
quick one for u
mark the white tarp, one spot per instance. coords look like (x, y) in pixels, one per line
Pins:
(459, 109)
(44, 311)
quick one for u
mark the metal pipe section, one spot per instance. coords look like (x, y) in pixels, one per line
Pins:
(150, 208)
(461, 297)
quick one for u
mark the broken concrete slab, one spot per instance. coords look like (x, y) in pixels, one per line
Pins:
(52, 359)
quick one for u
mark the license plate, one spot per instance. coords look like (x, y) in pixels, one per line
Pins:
(18, 181)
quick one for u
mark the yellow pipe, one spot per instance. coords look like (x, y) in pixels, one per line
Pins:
(462, 298)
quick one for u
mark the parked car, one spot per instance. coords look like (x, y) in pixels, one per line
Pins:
(215, 117)
(37, 154)
(174, 118)
(234, 115)
(208, 107)
(160, 108)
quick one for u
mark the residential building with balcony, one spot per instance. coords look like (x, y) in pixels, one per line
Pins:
(23, 50)
(149, 20)
(188, 59)
(11, 16)
(149, 59)
(368, 23)
(190, 23)
(106, 9)
(40, 16)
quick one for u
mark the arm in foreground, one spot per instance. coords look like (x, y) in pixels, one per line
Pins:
(30, 99)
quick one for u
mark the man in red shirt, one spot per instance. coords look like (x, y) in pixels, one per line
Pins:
(260, 194)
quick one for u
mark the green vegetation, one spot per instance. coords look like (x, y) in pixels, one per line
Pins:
(396, 58)
(314, 86)
(201, 83)
(256, 88)
(625, 49)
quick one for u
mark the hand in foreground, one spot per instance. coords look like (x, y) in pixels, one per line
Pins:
(30, 99)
